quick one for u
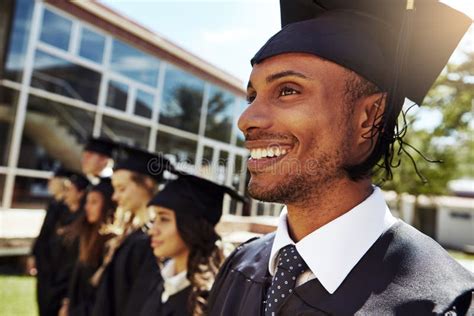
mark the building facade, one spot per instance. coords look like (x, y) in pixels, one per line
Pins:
(74, 69)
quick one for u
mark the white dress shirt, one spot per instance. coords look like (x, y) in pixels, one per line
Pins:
(332, 251)
(173, 283)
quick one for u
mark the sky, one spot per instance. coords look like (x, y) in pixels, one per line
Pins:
(226, 33)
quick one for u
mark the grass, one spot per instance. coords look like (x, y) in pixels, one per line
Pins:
(17, 296)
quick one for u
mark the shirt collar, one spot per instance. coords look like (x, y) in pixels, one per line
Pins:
(333, 250)
(172, 283)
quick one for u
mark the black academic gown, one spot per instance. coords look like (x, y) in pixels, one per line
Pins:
(63, 259)
(42, 253)
(403, 273)
(81, 292)
(121, 290)
(176, 305)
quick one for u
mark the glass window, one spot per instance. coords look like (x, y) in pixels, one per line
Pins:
(63, 77)
(134, 63)
(30, 193)
(8, 104)
(182, 100)
(220, 114)
(2, 185)
(183, 149)
(222, 163)
(240, 136)
(53, 135)
(125, 132)
(205, 170)
(19, 33)
(144, 104)
(117, 93)
(55, 30)
(92, 45)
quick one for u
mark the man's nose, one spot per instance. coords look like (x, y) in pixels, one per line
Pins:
(256, 116)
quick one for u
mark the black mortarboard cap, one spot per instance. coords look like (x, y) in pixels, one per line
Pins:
(105, 187)
(193, 196)
(141, 161)
(62, 172)
(79, 180)
(366, 35)
(100, 145)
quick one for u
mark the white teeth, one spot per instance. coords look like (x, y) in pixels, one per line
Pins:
(259, 153)
(277, 152)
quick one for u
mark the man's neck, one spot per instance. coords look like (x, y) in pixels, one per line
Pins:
(325, 206)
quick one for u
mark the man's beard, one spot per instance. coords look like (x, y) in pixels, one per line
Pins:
(313, 179)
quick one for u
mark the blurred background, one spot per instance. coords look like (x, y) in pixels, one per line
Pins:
(170, 77)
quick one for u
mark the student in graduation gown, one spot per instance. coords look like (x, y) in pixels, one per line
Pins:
(64, 242)
(41, 260)
(99, 209)
(97, 159)
(324, 96)
(135, 181)
(187, 211)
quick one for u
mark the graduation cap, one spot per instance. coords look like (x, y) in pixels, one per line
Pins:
(141, 161)
(62, 172)
(101, 146)
(399, 45)
(194, 196)
(79, 180)
(104, 187)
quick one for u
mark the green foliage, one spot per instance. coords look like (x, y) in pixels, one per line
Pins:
(451, 141)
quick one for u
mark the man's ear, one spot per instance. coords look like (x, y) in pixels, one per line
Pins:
(370, 112)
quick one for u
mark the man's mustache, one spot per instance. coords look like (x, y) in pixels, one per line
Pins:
(264, 135)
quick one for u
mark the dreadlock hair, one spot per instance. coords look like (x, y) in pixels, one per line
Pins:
(384, 132)
(204, 261)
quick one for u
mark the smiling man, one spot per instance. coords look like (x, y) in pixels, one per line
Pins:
(324, 96)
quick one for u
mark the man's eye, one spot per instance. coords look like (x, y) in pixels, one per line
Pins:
(250, 98)
(284, 91)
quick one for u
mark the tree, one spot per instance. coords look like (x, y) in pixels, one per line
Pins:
(451, 141)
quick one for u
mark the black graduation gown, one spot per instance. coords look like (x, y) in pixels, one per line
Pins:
(403, 273)
(64, 256)
(81, 292)
(42, 253)
(176, 305)
(121, 290)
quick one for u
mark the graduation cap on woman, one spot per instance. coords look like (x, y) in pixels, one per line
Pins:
(193, 196)
(142, 162)
(79, 180)
(62, 172)
(101, 146)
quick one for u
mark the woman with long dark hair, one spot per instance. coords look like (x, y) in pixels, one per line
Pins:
(187, 211)
(64, 243)
(41, 251)
(99, 209)
(135, 180)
